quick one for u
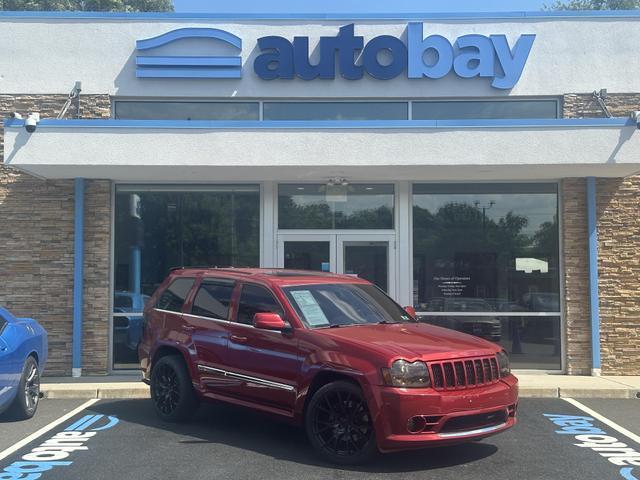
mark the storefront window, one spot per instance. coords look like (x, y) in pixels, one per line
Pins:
(336, 110)
(157, 228)
(485, 109)
(315, 206)
(486, 255)
(175, 110)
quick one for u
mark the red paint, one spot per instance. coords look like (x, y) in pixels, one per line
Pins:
(287, 358)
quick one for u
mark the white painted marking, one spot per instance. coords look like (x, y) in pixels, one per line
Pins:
(25, 441)
(605, 420)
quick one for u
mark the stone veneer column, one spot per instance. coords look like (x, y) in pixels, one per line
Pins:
(36, 245)
(618, 217)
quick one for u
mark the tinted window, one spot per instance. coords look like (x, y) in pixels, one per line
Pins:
(328, 305)
(213, 299)
(319, 206)
(3, 323)
(187, 110)
(499, 109)
(255, 299)
(174, 296)
(486, 247)
(335, 111)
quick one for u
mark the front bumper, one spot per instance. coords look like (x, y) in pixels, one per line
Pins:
(442, 417)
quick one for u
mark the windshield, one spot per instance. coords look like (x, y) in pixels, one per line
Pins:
(331, 305)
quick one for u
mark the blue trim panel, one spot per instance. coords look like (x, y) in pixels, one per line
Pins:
(189, 61)
(593, 272)
(180, 33)
(330, 124)
(78, 274)
(170, 16)
(189, 72)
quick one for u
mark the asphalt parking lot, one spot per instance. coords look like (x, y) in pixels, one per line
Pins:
(123, 439)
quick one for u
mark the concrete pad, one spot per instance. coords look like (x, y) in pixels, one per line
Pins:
(538, 392)
(124, 391)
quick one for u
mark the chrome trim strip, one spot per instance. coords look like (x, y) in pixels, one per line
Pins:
(477, 431)
(260, 381)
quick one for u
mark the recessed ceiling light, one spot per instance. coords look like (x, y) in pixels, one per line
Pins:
(300, 188)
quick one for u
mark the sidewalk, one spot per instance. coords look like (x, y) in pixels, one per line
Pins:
(531, 386)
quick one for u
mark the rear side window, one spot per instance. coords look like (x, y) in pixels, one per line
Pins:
(174, 296)
(213, 299)
(255, 299)
(3, 323)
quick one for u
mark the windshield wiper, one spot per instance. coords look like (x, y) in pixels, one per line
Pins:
(386, 322)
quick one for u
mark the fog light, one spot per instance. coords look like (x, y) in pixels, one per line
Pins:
(416, 424)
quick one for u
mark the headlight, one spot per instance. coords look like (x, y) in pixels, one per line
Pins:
(503, 363)
(407, 374)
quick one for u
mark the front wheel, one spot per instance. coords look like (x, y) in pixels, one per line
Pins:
(171, 390)
(25, 404)
(339, 425)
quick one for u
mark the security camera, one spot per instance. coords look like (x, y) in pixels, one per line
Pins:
(31, 122)
(636, 117)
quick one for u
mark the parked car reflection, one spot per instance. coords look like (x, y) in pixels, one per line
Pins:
(487, 327)
(127, 329)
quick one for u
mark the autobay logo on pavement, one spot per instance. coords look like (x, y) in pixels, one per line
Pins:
(55, 451)
(596, 439)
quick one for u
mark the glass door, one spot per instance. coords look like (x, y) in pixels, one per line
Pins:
(371, 257)
(368, 256)
(307, 252)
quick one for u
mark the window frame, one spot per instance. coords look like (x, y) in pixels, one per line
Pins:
(236, 313)
(184, 301)
(219, 280)
(556, 186)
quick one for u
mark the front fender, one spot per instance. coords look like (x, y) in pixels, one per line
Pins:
(335, 364)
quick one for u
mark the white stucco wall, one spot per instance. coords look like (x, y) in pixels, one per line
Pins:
(259, 154)
(47, 55)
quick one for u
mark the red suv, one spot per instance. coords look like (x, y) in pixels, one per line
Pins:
(333, 353)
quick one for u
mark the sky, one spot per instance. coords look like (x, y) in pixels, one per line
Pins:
(357, 6)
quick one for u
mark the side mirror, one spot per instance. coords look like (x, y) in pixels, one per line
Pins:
(411, 311)
(269, 321)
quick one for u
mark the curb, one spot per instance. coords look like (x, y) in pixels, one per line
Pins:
(140, 390)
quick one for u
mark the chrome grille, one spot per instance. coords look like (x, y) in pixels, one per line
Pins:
(464, 373)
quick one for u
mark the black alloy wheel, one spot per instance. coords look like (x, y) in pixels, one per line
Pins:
(339, 425)
(171, 389)
(25, 403)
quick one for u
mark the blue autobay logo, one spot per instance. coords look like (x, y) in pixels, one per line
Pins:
(589, 436)
(383, 57)
(189, 66)
(55, 451)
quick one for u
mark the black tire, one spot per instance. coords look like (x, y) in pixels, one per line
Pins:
(25, 404)
(172, 392)
(339, 425)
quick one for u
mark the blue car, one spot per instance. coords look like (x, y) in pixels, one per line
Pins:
(23, 353)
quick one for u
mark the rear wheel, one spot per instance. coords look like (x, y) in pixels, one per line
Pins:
(25, 404)
(171, 389)
(339, 425)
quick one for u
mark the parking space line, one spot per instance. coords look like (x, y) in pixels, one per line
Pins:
(603, 419)
(25, 441)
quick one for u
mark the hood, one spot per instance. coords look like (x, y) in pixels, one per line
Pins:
(412, 341)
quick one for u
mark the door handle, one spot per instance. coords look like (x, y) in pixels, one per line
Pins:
(238, 339)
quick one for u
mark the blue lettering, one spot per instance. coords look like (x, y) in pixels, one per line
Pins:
(278, 62)
(511, 61)
(476, 57)
(348, 46)
(397, 51)
(431, 57)
(419, 46)
(627, 473)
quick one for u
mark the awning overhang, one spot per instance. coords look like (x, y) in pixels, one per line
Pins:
(210, 151)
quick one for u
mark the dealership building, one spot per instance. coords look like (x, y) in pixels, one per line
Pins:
(479, 167)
